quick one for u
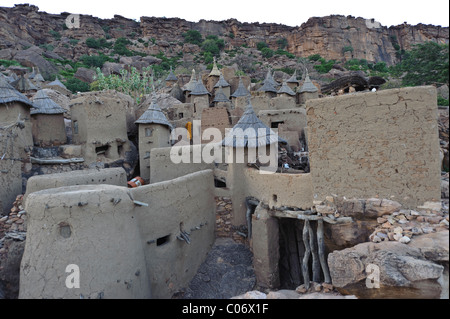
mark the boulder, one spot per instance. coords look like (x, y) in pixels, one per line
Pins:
(112, 68)
(85, 75)
(405, 271)
(32, 57)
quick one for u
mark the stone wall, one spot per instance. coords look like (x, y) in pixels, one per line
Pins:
(123, 248)
(383, 144)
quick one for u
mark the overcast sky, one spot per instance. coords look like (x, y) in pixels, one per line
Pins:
(288, 12)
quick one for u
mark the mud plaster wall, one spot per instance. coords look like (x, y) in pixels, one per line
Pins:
(13, 143)
(116, 244)
(99, 119)
(159, 137)
(111, 176)
(162, 168)
(383, 144)
(48, 129)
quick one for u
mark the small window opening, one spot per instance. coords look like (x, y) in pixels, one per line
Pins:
(148, 132)
(180, 115)
(102, 149)
(162, 240)
(275, 198)
(75, 127)
(276, 124)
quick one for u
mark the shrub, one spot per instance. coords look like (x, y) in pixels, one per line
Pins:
(266, 52)
(282, 43)
(95, 61)
(55, 34)
(325, 66)
(347, 48)
(120, 47)
(442, 101)
(76, 85)
(261, 45)
(7, 63)
(193, 37)
(315, 57)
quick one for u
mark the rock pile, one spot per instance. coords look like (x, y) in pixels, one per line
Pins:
(403, 224)
(16, 220)
(224, 228)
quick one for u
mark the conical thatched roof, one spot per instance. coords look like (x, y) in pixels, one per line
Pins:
(293, 78)
(8, 94)
(57, 82)
(199, 89)
(241, 90)
(222, 82)
(269, 79)
(308, 86)
(220, 96)
(45, 105)
(215, 70)
(171, 76)
(23, 85)
(32, 75)
(154, 115)
(192, 82)
(249, 131)
(267, 87)
(286, 90)
(38, 78)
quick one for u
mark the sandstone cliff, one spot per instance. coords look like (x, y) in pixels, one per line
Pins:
(333, 37)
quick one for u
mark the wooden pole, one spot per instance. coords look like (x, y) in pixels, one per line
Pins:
(305, 269)
(321, 248)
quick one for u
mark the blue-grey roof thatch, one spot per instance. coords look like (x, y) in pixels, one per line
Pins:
(241, 90)
(171, 76)
(267, 87)
(192, 82)
(57, 82)
(8, 94)
(220, 96)
(199, 89)
(269, 79)
(250, 131)
(45, 105)
(286, 90)
(222, 82)
(154, 115)
(293, 78)
(23, 85)
(308, 86)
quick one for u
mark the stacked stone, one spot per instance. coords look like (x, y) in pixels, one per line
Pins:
(224, 228)
(403, 224)
(315, 287)
(16, 220)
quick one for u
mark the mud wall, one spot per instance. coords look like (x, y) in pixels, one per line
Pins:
(378, 144)
(123, 248)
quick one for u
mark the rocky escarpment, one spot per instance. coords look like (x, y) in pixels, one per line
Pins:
(334, 37)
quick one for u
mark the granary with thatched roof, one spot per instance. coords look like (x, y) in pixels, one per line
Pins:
(154, 132)
(47, 118)
(16, 141)
(226, 87)
(199, 96)
(24, 85)
(239, 97)
(221, 99)
(308, 90)
(292, 82)
(188, 87)
(171, 79)
(57, 85)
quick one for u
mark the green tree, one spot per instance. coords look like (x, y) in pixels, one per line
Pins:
(426, 63)
(193, 37)
(261, 45)
(266, 52)
(76, 85)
